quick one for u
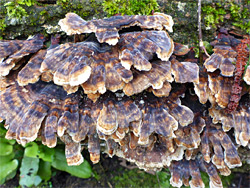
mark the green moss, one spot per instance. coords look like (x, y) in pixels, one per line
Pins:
(214, 14)
(130, 7)
(237, 14)
(134, 178)
(21, 18)
(239, 17)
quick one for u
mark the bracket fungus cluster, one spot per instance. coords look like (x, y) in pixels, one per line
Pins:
(129, 87)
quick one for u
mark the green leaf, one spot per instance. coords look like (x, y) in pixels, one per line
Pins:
(44, 170)
(82, 171)
(28, 172)
(34, 150)
(31, 150)
(2, 131)
(5, 147)
(9, 4)
(46, 153)
(7, 166)
(21, 2)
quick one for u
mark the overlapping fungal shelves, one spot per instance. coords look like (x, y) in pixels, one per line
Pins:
(129, 86)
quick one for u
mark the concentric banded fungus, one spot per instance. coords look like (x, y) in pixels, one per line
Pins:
(159, 73)
(12, 52)
(162, 92)
(221, 158)
(159, 76)
(156, 119)
(72, 151)
(201, 89)
(222, 59)
(189, 136)
(6, 81)
(185, 71)
(182, 170)
(79, 106)
(180, 49)
(88, 64)
(114, 114)
(154, 157)
(220, 89)
(106, 30)
(138, 48)
(30, 73)
(239, 120)
(21, 104)
(246, 77)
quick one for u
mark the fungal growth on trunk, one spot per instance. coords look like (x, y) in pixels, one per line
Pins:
(129, 87)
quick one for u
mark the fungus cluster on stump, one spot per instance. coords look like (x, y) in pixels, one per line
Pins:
(124, 87)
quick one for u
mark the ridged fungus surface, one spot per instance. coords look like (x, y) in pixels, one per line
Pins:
(129, 87)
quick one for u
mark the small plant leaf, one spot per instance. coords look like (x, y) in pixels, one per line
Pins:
(46, 153)
(28, 172)
(44, 170)
(31, 150)
(5, 147)
(82, 171)
(7, 166)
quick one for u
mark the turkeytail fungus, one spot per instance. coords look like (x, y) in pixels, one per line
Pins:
(124, 88)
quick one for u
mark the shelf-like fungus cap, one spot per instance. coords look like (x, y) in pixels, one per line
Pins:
(201, 89)
(220, 89)
(11, 53)
(182, 170)
(185, 71)
(87, 64)
(222, 59)
(159, 73)
(30, 73)
(137, 48)
(189, 136)
(224, 152)
(246, 77)
(239, 120)
(106, 30)
(151, 157)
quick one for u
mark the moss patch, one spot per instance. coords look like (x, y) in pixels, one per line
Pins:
(21, 20)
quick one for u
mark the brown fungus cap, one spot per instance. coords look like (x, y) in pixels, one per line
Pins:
(189, 136)
(45, 110)
(72, 151)
(239, 120)
(159, 73)
(185, 71)
(11, 53)
(137, 48)
(201, 88)
(106, 30)
(246, 77)
(222, 59)
(220, 89)
(95, 68)
(162, 92)
(182, 170)
(30, 73)
(154, 156)
(224, 153)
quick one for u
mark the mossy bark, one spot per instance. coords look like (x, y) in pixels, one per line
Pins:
(44, 15)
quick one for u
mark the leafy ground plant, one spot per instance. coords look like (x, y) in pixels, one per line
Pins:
(35, 162)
